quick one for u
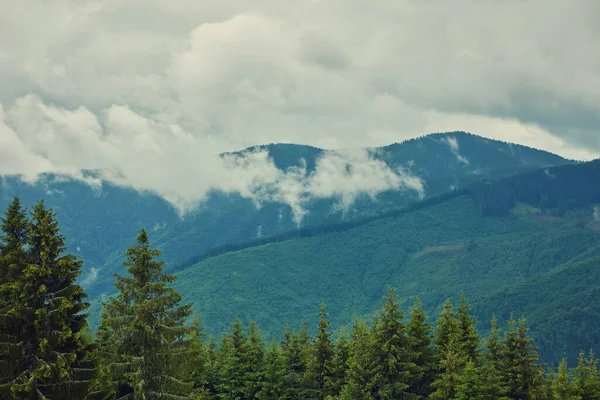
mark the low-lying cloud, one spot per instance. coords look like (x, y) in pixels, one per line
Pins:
(131, 150)
(150, 92)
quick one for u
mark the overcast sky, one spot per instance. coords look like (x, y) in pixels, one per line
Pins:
(153, 88)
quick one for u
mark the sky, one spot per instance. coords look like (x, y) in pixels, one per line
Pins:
(150, 91)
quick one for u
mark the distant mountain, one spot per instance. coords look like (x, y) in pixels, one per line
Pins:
(100, 224)
(540, 258)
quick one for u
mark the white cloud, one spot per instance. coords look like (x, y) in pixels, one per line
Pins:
(91, 277)
(151, 91)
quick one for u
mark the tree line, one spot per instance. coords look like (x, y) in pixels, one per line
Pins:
(150, 346)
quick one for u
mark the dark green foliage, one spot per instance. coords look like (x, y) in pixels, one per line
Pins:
(423, 354)
(321, 358)
(393, 349)
(522, 374)
(586, 380)
(143, 341)
(42, 349)
(338, 367)
(363, 365)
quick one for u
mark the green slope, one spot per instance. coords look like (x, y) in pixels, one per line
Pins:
(434, 253)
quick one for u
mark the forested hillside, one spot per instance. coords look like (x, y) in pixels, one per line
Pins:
(147, 346)
(99, 220)
(434, 249)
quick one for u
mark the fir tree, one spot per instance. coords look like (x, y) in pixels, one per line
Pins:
(52, 361)
(447, 325)
(146, 345)
(15, 315)
(274, 372)
(470, 384)
(319, 370)
(296, 352)
(393, 349)
(338, 366)
(469, 338)
(562, 386)
(423, 353)
(522, 375)
(233, 354)
(587, 382)
(254, 359)
(363, 366)
(451, 366)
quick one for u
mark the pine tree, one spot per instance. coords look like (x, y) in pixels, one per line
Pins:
(148, 350)
(446, 327)
(469, 338)
(451, 366)
(212, 366)
(296, 352)
(319, 369)
(494, 388)
(393, 349)
(363, 366)
(46, 304)
(562, 386)
(254, 359)
(424, 357)
(274, 372)
(233, 354)
(339, 365)
(470, 384)
(522, 375)
(587, 382)
(14, 311)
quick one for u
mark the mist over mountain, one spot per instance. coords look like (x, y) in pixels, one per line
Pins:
(309, 186)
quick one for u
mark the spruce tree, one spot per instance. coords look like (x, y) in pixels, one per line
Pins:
(274, 372)
(470, 384)
(469, 338)
(15, 340)
(363, 366)
(522, 375)
(562, 385)
(234, 367)
(254, 360)
(451, 366)
(424, 356)
(146, 345)
(338, 366)
(587, 381)
(46, 303)
(296, 348)
(446, 326)
(393, 349)
(319, 370)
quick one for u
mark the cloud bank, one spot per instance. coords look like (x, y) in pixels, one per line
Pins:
(151, 91)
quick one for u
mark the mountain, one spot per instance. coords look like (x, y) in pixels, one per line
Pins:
(100, 222)
(537, 254)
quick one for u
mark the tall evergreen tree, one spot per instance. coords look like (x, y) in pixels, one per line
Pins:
(319, 370)
(393, 349)
(338, 366)
(296, 352)
(451, 366)
(15, 315)
(273, 374)
(562, 386)
(143, 337)
(447, 326)
(587, 381)
(47, 304)
(424, 356)
(254, 360)
(469, 338)
(522, 374)
(363, 366)
(234, 366)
